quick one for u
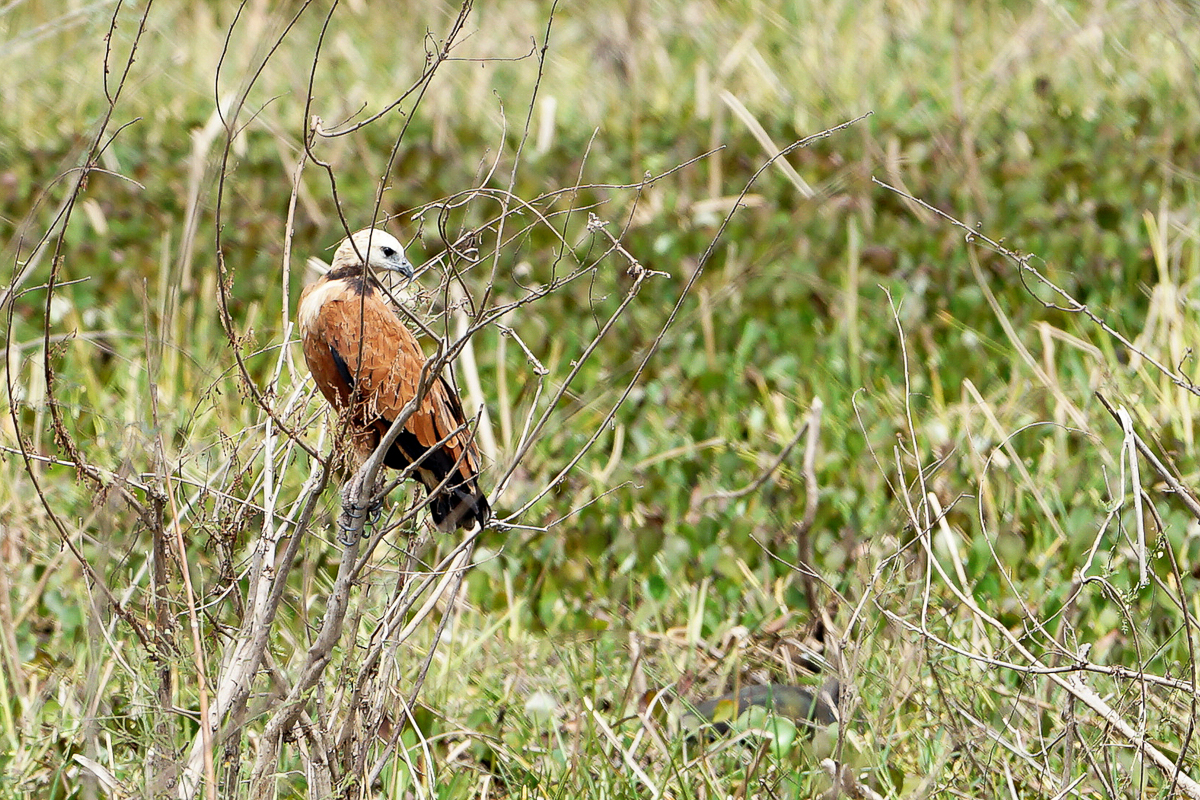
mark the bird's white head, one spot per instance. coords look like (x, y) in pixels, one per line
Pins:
(378, 248)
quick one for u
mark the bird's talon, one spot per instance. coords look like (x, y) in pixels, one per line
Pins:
(350, 514)
(346, 525)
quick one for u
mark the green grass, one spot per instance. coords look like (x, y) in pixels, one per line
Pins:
(1066, 129)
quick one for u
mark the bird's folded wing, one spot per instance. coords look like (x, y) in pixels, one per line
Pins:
(385, 371)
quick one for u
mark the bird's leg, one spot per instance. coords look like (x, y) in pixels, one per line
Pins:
(375, 507)
(352, 510)
(357, 501)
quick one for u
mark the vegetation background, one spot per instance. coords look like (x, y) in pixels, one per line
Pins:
(1004, 585)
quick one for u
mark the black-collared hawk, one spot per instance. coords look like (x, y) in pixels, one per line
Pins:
(368, 365)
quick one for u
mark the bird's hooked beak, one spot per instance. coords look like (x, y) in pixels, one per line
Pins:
(398, 262)
(402, 289)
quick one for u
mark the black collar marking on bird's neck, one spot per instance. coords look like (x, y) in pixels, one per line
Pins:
(355, 279)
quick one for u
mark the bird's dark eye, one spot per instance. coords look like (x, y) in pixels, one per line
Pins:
(388, 252)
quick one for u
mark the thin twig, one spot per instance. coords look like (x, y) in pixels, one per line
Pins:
(1184, 493)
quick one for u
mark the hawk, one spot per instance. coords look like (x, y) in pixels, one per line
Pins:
(368, 366)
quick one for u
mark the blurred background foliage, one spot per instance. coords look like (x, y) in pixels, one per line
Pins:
(1068, 129)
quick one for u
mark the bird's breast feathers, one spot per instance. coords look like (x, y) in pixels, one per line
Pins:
(311, 301)
(354, 344)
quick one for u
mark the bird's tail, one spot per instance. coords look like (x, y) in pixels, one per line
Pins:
(455, 505)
